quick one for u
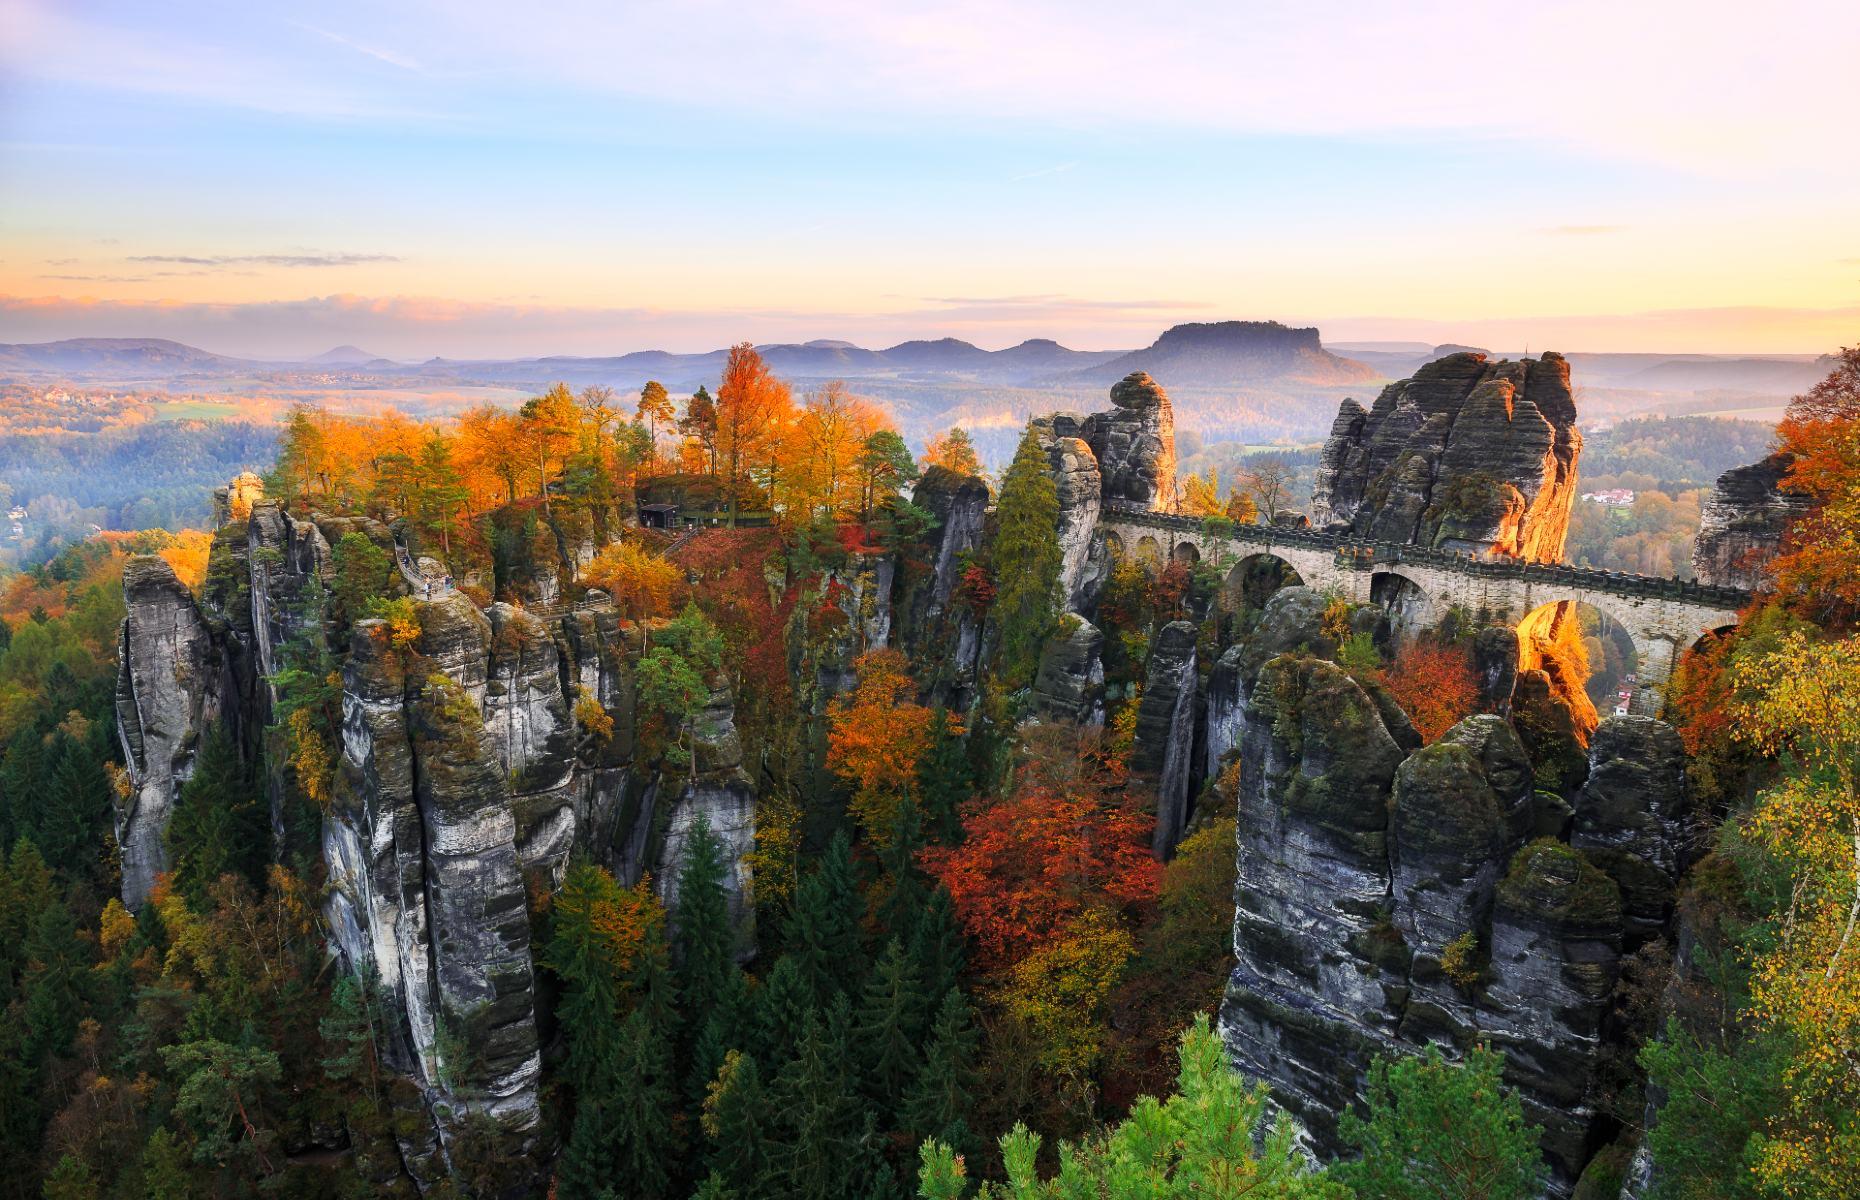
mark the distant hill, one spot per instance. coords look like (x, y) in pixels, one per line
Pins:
(345, 356)
(1233, 354)
(115, 357)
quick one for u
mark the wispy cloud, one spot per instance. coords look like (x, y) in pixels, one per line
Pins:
(1583, 230)
(391, 57)
(266, 260)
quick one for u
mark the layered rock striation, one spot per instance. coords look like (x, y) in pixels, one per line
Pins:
(1467, 455)
(1134, 443)
(1743, 523)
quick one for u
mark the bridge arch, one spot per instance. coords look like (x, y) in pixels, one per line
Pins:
(1253, 579)
(1409, 606)
(1113, 545)
(1186, 553)
(1149, 552)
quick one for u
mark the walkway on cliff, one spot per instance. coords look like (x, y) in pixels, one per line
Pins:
(425, 586)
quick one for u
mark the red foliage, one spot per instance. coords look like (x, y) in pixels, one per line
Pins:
(975, 590)
(854, 538)
(1032, 862)
(1434, 684)
(733, 591)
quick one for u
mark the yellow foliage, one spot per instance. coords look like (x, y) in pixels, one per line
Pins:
(640, 581)
(774, 860)
(592, 715)
(1058, 992)
(1804, 699)
(115, 928)
(187, 554)
(311, 760)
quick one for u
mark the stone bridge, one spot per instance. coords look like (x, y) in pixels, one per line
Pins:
(1662, 616)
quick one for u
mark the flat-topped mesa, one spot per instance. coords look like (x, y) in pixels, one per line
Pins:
(1743, 523)
(1467, 455)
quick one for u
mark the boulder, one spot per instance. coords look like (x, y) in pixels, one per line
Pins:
(1069, 685)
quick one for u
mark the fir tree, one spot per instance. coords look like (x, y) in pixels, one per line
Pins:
(823, 1143)
(940, 1098)
(218, 826)
(823, 929)
(890, 1028)
(642, 1108)
(70, 826)
(782, 1005)
(944, 778)
(936, 945)
(906, 890)
(736, 1122)
(1026, 561)
(703, 937)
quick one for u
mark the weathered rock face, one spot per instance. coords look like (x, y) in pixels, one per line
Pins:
(1079, 483)
(1134, 444)
(1743, 522)
(1310, 1000)
(1466, 455)
(426, 891)
(527, 719)
(927, 623)
(1069, 685)
(718, 792)
(1165, 737)
(171, 680)
(1629, 817)
(1390, 896)
(1555, 955)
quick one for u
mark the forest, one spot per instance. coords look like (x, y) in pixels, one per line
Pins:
(967, 971)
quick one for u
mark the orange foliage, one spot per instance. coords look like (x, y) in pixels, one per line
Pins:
(1032, 863)
(1434, 684)
(875, 738)
(1819, 569)
(640, 581)
(953, 452)
(187, 554)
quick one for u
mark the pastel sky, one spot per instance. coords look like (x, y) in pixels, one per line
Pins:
(463, 177)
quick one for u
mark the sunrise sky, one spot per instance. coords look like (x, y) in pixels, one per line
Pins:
(475, 178)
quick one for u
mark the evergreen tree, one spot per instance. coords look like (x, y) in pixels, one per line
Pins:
(362, 570)
(642, 1108)
(822, 1151)
(944, 778)
(823, 929)
(737, 1123)
(1026, 561)
(783, 1004)
(22, 784)
(348, 1032)
(71, 823)
(940, 1099)
(890, 1028)
(1440, 1131)
(936, 945)
(219, 825)
(703, 936)
(906, 890)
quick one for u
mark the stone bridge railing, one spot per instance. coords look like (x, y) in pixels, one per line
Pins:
(1363, 555)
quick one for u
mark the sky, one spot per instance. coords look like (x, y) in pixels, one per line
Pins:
(479, 179)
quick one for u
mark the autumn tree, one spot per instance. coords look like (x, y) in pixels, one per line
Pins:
(1434, 683)
(641, 583)
(751, 403)
(699, 427)
(1819, 568)
(1268, 482)
(547, 426)
(490, 449)
(954, 451)
(1026, 560)
(885, 467)
(655, 409)
(877, 737)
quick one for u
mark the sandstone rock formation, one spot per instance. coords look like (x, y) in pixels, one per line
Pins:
(1069, 685)
(1080, 485)
(1743, 522)
(170, 684)
(1134, 443)
(1164, 749)
(1466, 455)
(1629, 817)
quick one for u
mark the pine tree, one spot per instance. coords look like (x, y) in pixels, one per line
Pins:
(823, 929)
(944, 778)
(703, 937)
(71, 825)
(906, 890)
(940, 1100)
(219, 825)
(737, 1122)
(936, 947)
(642, 1108)
(1026, 561)
(782, 1006)
(823, 1130)
(890, 1028)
